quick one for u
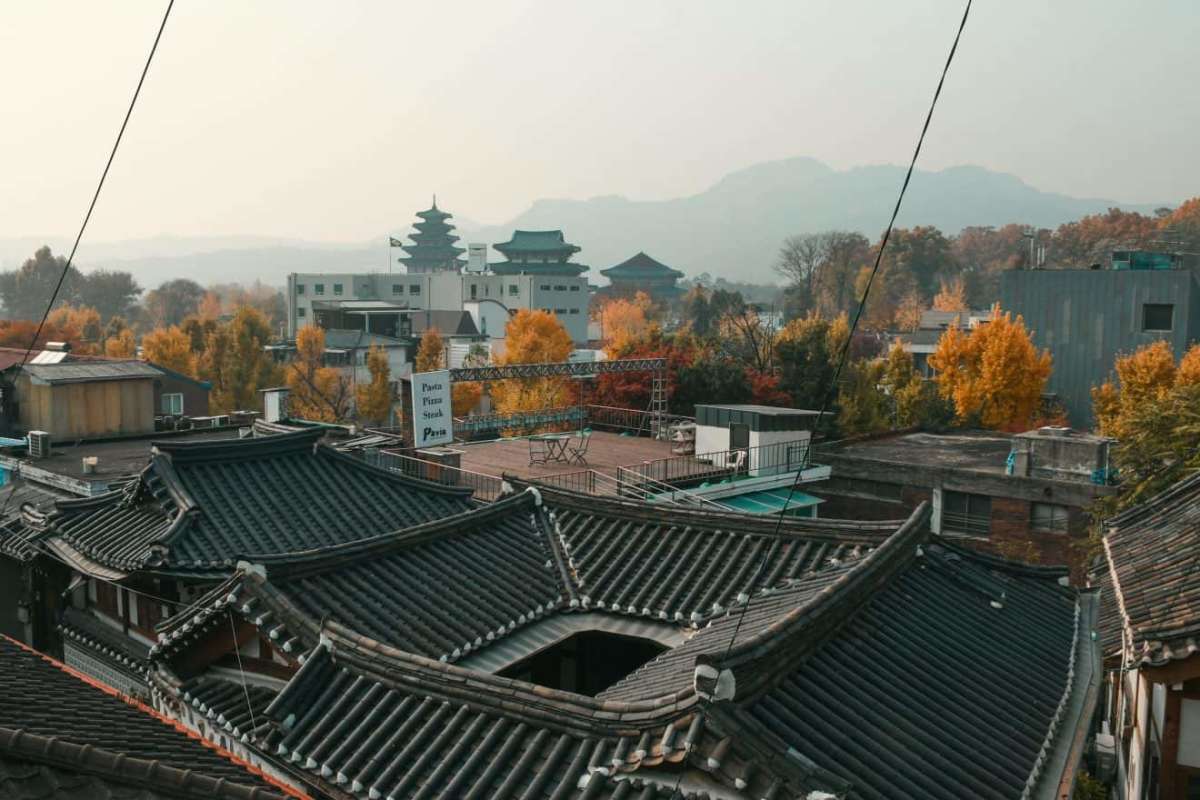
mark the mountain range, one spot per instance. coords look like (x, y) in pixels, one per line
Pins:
(732, 229)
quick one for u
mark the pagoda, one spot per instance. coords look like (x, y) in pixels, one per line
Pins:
(537, 253)
(433, 248)
(641, 273)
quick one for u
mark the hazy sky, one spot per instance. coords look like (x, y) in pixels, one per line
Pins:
(337, 120)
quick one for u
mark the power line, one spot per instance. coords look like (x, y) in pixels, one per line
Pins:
(92, 205)
(862, 304)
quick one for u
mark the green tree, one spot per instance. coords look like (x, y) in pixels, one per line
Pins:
(174, 300)
(27, 290)
(111, 293)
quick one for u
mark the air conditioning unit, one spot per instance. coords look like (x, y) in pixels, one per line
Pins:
(39, 444)
(1104, 752)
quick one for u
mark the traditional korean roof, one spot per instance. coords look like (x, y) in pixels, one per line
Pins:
(124, 652)
(1154, 571)
(550, 249)
(449, 322)
(18, 541)
(207, 505)
(640, 267)
(61, 736)
(433, 245)
(860, 665)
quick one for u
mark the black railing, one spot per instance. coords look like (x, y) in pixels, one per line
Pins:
(483, 487)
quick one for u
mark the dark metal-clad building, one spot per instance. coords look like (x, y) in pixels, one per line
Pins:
(1086, 318)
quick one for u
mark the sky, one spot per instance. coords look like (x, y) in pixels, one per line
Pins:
(337, 121)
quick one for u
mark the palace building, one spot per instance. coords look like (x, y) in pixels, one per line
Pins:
(641, 273)
(537, 253)
(433, 247)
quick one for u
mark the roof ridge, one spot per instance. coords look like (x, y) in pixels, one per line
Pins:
(740, 673)
(151, 774)
(562, 710)
(263, 446)
(329, 451)
(326, 558)
(869, 531)
(153, 713)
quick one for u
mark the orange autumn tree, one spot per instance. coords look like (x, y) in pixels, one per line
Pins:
(374, 399)
(122, 345)
(533, 337)
(431, 352)
(624, 320)
(80, 323)
(953, 295)
(993, 373)
(318, 393)
(1144, 379)
(171, 348)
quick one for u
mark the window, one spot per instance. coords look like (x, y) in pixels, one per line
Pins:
(545, 287)
(397, 288)
(172, 403)
(560, 311)
(337, 288)
(560, 288)
(1048, 518)
(414, 288)
(474, 291)
(574, 310)
(513, 289)
(299, 288)
(301, 312)
(1157, 316)
(106, 599)
(575, 288)
(969, 514)
(318, 288)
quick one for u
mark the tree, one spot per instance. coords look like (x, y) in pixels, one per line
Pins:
(209, 307)
(533, 337)
(800, 258)
(375, 398)
(235, 361)
(1093, 238)
(984, 252)
(992, 374)
(908, 313)
(914, 400)
(431, 352)
(318, 393)
(78, 323)
(122, 345)
(1144, 378)
(111, 293)
(624, 319)
(172, 301)
(27, 290)
(465, 395)
(1181, 227)
(748, 337)
(170, 348)
(862, 406)
(953, 295)
(807, 351)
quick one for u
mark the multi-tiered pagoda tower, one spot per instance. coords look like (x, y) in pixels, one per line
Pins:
(433, 246)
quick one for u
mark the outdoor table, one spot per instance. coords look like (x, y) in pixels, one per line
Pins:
(552, 448)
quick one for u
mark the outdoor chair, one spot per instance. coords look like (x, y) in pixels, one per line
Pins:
(578, 451)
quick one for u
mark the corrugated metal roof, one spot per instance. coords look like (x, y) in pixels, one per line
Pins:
(81, 372)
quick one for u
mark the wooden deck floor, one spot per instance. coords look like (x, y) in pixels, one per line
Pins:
(606, 452)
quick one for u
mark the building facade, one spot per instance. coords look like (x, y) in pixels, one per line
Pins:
(1086, 318)
(379, 302)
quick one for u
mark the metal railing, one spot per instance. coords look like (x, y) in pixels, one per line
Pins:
(483, 487)
(628, 419)
(769, 459)
(590, 481)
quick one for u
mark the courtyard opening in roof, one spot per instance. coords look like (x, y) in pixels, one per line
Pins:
(586, 663)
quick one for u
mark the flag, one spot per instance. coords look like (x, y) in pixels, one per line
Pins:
(394, 242)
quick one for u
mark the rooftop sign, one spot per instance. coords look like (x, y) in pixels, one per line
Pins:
(433, 422)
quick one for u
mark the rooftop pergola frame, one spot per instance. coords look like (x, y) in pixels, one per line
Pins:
(657, 367)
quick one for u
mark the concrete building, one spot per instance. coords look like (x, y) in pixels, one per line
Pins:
(1086, 318)
(1026, 495)
(379, 302)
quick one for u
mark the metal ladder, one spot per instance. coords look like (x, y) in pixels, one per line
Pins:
(658, 406)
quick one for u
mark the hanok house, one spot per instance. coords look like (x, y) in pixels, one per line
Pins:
(110, 567)
(459, 659)
(1148, 575)
(1026, 496)
(64, 736)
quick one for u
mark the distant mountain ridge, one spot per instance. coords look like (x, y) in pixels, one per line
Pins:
(732, 229)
